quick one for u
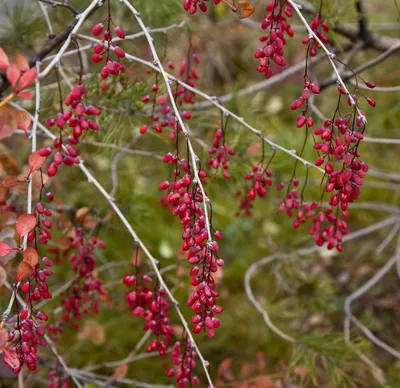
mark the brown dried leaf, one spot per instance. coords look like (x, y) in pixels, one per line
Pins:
(244, 8)
(3, 338)
(80, 213)
(31, 257)
(63, 242)
(19, 184)
(89, 222)
(23, 271)
(120, 371)
(21, 62)
(11, 119)
(3, 276)
(93, 331)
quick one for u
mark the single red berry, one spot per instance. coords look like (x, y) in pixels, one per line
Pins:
(97, 29)
(120, 32)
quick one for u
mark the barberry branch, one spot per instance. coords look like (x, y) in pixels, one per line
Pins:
(214, 101)
(331, 56)
(154, 262)
(195, 160)
(81, 18)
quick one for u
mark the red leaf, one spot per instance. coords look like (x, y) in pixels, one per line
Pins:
(25, 224)
(31, 257)
(4, 62)
(120, 372)
(5, 249)
(13, 74)
(21, 62)
(11, 358)
(3, 338)
(224, 369)
(36, 161)
(25, 95)
(23, 271)
(26, 79)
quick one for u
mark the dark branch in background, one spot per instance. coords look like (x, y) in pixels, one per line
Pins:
(380, 43)
(47, 48)
(364, 32)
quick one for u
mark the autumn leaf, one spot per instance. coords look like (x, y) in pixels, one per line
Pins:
(25, 95)
(120, 372)
(26, 79)
(21, 62)
(244, 8)
(13, 74)
(12, 119)
(23, 271)
(3, 276)
(224, 369)
(5, 249)
(93, 331)
(3, 337)
(36, 161)
(4, 62)
(80, 213)
(11, 358)
(31, 257)
(19, 183)
(25, 224)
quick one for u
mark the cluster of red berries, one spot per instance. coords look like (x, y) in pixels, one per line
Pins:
(222, 153)
(43, 222)
(77, 118)
(293, 204)
(273, 43)
(260, 178)
(102, 49)
(191, 5)
(86, 289)
(320, 27)
(185, 200)
(154, 307)
(57, 378)
(188, 74)
(29, 334)
(183, 356)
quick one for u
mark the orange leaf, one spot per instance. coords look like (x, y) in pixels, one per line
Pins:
(3, 338)
(27, 79)
(4, 62)
(120, 372)
(36, 161)
(21, 62)
(244, 8)
(13, 74)
(11, 119)
(11, 358)
(31, 257)
(25, 224)
(5, 249)
(3, 276)
(23, 271)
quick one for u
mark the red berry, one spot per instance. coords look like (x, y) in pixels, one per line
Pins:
(97, 29)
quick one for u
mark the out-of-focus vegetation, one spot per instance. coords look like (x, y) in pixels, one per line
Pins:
(304, 295)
